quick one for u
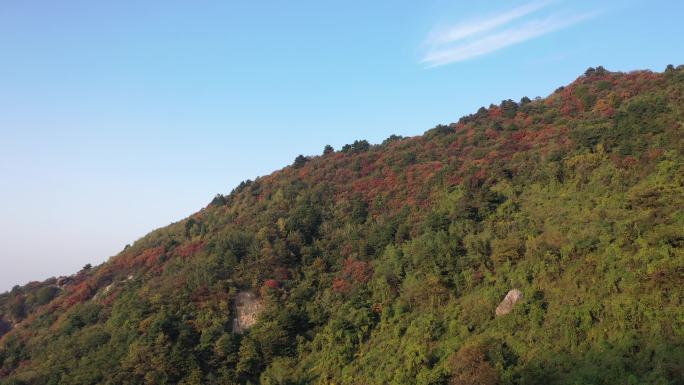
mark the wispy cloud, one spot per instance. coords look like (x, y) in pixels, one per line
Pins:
(472, 27)
(465, 40)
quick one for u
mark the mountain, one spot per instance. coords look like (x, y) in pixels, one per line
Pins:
(532, 242)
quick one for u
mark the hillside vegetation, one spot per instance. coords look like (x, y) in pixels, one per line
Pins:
(384, 264)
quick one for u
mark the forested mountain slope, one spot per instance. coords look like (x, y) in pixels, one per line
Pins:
(384, 264)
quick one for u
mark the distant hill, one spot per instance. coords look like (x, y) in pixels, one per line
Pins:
(388, 263)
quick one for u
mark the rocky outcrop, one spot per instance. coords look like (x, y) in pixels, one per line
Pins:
(247, 308)
(506, 306)
(63, 281)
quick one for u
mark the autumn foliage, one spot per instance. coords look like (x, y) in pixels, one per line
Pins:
(384, 263)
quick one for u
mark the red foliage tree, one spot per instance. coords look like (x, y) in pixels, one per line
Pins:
(189, 249)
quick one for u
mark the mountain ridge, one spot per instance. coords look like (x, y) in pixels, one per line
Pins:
(406, 245)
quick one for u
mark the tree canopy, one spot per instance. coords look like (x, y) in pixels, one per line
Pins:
(384, 264)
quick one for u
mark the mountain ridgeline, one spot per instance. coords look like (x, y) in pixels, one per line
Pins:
(388, 263)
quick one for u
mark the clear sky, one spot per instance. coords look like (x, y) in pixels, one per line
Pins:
(118, 117)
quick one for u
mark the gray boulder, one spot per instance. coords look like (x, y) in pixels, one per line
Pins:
(506, 306)
(248, 307)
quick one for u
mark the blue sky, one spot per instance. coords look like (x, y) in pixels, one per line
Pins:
(120, 117)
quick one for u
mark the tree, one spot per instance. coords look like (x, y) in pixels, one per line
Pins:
(282, 371)
(328, 149)
(470, 366)
(359, 210)
(250, 359)
(392, 138)
(598, 71)
(439, 130)
(17, 309)
(46, 294)
(219, 200)
(357, 146)
(300, 161)
(509, 108)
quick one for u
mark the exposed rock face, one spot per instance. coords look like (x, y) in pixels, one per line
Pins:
(508, 302)
(63, 281)
(247, 307)
(104, 291)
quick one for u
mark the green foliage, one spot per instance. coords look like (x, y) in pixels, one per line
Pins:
(300, 161)
(357, 146)
(384, 264)
(45, 294)
(82, 315)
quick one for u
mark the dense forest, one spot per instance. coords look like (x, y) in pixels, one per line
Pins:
(385, 263)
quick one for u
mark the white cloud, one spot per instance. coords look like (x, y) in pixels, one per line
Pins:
(472, 27)
(451, 45)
